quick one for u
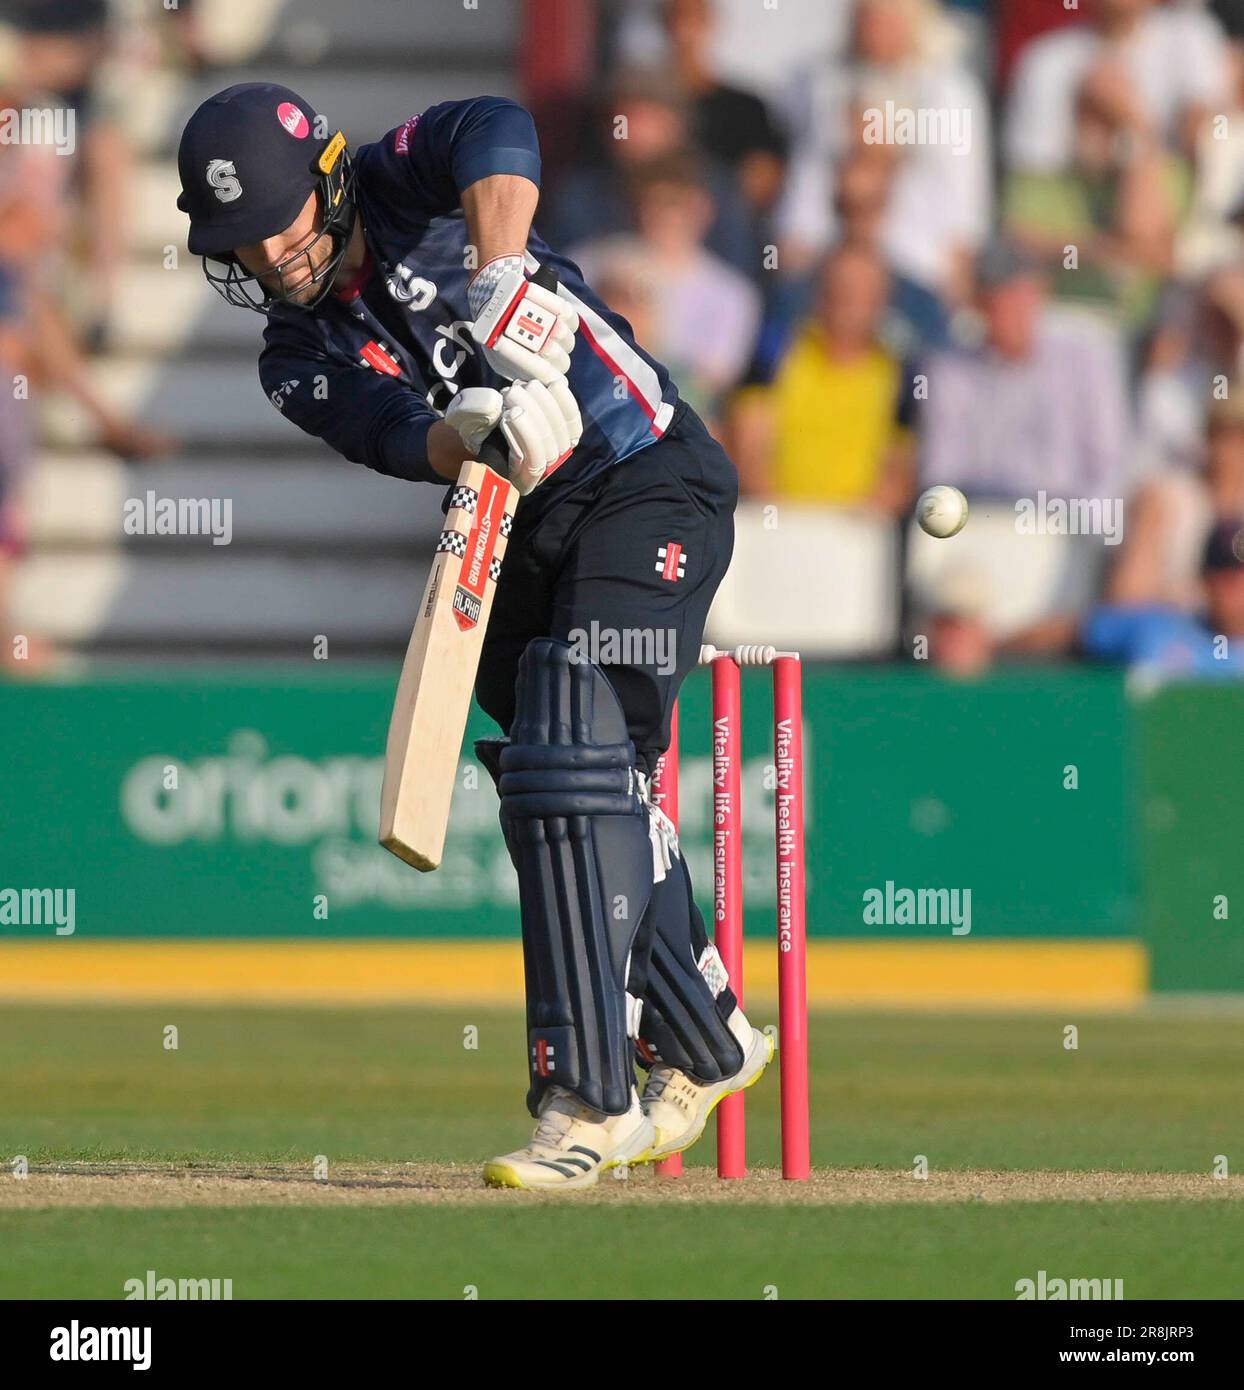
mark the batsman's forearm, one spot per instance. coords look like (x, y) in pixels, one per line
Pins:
(446, 451)
(498, 211)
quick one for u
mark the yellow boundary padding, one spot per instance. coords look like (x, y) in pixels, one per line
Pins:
(864, 974)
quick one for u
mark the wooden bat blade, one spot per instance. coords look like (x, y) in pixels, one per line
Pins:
(438, 675)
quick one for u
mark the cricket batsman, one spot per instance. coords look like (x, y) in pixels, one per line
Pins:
(403, 327)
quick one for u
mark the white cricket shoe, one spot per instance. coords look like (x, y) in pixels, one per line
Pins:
(573, 1145)
(679, 1106)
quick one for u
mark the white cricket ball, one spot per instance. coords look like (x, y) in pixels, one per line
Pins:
(942, 511)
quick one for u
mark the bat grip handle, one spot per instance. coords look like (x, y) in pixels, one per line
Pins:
(495, 450)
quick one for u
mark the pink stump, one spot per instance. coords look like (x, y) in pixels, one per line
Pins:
(792, 935)
(665, 794)
(728, 885)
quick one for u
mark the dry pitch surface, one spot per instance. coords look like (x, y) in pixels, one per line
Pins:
(443, 1184)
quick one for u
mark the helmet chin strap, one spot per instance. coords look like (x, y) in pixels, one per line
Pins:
(339, 227)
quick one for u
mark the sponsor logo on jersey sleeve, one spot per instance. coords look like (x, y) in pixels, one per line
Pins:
(401, 137)
(282, 393)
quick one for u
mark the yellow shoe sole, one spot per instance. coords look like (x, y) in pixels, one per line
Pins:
(502, 1175)
(652, 1157)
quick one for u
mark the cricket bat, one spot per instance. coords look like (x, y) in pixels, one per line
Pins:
(438, 675)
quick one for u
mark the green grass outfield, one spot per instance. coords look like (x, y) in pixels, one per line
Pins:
(1159, 1250)
(1146, 1093)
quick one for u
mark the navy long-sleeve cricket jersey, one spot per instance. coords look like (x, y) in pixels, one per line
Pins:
(371, 368)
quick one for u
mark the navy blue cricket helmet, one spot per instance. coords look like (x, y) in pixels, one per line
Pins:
(249, 159)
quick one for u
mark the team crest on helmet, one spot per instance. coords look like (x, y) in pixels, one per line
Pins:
(222, 177)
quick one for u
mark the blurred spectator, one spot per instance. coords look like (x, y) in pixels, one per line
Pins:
(1174, 60)
(1208, 238)
(1196, 348)
(647, 117)
(1017, 23)
(622, 284)
(65, 47)
(754, 44)
(1172, 515)
(1115, 204)
(1040, 404)
(41, 343)
(27, 183)
(903, 91)
(703, 313)
(14, 454)
(960, 642)
(185, 40)
(1161, 640)
(861, 196)
(916, 319)
(730, 124)
(39, 351)
(1230, 14)
(827, 421)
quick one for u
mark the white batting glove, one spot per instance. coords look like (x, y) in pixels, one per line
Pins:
(542, 425)
(475, 413)
(527, 333)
